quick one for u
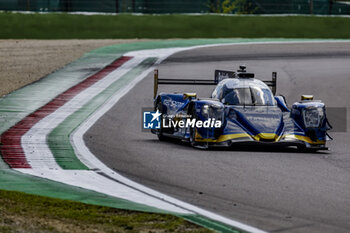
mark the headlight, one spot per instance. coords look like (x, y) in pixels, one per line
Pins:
(313, 117)
(213, 111)
(205, 109)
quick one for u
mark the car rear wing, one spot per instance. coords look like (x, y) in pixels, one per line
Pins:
(273, 83)
(164, 81)
(219, 76)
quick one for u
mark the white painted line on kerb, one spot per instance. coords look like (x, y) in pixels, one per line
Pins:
(93, 181)
(34, 142)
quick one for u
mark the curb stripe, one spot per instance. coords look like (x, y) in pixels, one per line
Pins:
(34, 142)
(58, 138)
(11, 149)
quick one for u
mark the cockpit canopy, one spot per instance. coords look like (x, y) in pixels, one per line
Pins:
(244, 92)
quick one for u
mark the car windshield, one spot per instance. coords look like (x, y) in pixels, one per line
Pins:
(252, 95)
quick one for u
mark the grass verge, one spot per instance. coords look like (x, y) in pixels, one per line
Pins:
(29, 213)
(67, 26)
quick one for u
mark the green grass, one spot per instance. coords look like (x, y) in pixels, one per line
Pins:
(29, 213)
(66, 26)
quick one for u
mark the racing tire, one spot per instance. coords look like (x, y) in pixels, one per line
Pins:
(194, 144)
(160, 135)
(192, 130)
(192, 137)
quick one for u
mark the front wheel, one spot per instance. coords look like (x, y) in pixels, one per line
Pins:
(192, 130)
(160, 135)
(192, 137)
(198, 145)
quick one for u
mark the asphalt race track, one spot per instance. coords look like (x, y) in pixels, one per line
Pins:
(277, 190)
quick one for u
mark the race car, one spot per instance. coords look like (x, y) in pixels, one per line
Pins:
(242, 110)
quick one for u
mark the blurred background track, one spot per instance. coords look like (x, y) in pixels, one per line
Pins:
(323, 7)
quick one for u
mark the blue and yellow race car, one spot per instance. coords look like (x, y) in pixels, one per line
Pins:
(242, 110)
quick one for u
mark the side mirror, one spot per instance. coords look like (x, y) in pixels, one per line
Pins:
(282, 103)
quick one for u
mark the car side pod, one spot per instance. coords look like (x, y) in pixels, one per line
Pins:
(310, 115)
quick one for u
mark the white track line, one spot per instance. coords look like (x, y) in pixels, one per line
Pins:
(93, 181)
